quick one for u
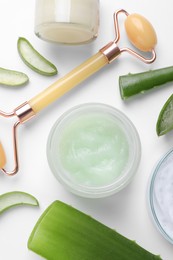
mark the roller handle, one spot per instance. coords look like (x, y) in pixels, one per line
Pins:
(66, 83)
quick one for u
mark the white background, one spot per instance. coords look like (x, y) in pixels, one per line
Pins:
(127, 211)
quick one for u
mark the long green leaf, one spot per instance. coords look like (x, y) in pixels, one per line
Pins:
(64, 233)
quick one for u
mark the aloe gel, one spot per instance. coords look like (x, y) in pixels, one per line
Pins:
(93, 150)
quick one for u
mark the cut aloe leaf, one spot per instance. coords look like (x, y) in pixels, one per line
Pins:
(165, 118)
(63, 232)
(34, 59)
(16, 198)
(12, 77)
(132, 84)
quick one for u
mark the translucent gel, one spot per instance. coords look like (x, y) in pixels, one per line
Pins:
(93, 149)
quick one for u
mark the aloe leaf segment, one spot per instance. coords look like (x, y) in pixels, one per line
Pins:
(63, 233)
(12, 78)
(165, 118)
(132, 84)
(16, 198)
(33, 59)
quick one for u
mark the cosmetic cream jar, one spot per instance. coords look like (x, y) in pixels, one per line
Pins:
(161, 196)
(93, 150)
(67, 21)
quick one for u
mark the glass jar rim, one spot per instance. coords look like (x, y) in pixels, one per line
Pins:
(151, 197)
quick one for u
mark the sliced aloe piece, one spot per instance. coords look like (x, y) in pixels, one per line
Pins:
(165, 118)
(12, 78)
(16, 198)
(34, 59)
(63, 232)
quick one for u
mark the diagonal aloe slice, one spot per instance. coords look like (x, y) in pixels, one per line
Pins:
(16, 198)
(12, 78)
(64, 233)
(165, 119)
(34, 59)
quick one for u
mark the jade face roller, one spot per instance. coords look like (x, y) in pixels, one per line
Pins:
(140, 33)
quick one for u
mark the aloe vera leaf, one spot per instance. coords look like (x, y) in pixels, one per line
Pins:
(16, 198)
(64, 233)
(165, 118)
(132, 84)
(12, 78)
(33, 59)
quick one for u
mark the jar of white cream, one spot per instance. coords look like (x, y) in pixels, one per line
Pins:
(161, 196)
(67, 21)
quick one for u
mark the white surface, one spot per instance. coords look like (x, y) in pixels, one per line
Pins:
(127, 211)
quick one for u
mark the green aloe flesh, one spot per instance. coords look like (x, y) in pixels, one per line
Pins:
(33, 59)
(64, 233)
(16, 198)
(12, 78)
(132, 84)
(165, 118)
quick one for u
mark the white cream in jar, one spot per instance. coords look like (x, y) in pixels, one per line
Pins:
(161, 196)
(67, 21)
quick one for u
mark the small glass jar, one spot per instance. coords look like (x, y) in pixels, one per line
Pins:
(93, 150)
(67, 21)
(160, 194)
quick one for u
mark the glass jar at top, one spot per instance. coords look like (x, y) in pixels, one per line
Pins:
(67, 21)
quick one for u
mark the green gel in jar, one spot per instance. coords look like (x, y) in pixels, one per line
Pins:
(93, 150)
(91, 146)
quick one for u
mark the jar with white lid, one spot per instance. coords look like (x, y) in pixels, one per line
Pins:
(67, 21)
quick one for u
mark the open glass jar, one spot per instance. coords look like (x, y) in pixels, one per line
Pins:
(67, 21)
(93, 150)
(161, 196)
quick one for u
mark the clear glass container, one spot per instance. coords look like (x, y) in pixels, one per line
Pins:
(67, 21)
(93, 150)
(161, 196)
